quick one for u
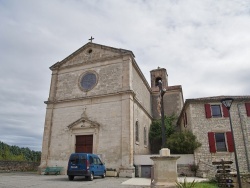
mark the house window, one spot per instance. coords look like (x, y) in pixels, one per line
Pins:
(220, 142)
(145, 136)
(137, 131)
(216, 110)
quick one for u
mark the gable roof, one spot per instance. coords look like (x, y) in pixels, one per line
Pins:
(211, 99)
(119, 51)
(218, 98)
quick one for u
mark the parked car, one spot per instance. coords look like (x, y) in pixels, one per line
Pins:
(85, 164)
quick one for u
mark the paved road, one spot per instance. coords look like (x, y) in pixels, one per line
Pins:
(27, 180)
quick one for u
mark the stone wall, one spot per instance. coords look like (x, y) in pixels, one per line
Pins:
(63, 138)
(173, 102)
(18, 166)
(141, 90)
(200, 126)
(182, 170)
(68, 81)
(183, 163)
(144, 121)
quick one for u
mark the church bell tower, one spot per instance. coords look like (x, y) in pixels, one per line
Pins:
(156, 75)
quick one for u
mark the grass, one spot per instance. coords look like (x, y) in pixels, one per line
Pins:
(205, 185)
(185, 184)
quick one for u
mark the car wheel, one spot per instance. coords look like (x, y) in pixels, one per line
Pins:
(91, 177)
(104, 174)
(71, 178)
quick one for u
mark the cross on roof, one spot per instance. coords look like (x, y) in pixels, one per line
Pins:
(91, 39)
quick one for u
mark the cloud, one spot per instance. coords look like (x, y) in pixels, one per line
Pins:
(204, 45)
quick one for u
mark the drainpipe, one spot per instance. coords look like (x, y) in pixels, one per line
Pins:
(244, 139)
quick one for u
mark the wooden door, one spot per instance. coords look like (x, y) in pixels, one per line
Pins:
(84, 144)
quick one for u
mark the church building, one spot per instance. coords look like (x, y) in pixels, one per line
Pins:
(100, 102)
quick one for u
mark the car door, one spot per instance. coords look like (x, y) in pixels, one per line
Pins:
(73, 162)
(97, 167)
(92, 167)
(101, 166)
(82, 162)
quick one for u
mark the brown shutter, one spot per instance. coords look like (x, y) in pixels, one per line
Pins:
(230, 143)
(248, 108)
(211, 141)
(225, 111)
(208, 111)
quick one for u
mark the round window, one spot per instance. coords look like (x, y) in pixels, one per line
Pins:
(88, 81)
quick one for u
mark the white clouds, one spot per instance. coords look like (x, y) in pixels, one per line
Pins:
(204, 45)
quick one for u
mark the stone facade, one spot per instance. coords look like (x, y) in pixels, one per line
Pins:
(201, 125)
(99, 91)
(172, 99)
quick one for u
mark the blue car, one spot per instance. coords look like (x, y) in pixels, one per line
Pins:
(85, 164)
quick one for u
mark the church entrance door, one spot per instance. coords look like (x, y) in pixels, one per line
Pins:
(84, 143)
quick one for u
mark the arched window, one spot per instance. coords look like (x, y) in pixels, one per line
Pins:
(157, 80)
(137, 131)
(145, 136)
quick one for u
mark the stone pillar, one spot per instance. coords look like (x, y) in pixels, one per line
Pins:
(48, 123)
(164, 170)
(46, 138)
(127, 169)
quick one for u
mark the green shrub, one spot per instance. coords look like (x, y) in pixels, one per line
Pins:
(155, 136)
(182, 143)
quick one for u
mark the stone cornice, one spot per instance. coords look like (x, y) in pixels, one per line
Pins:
(102, 95)
(168, 89)
(89, 97)
(218, 98)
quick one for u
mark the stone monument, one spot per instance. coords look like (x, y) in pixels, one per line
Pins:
(165, 169)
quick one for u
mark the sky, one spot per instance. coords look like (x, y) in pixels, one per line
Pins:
(204, 45)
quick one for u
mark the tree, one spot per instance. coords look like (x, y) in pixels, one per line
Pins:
(14, 153)
(155, 136)
(183, 143)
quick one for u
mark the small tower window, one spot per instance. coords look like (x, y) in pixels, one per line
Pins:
(157, 81)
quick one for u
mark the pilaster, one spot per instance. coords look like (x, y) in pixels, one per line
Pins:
(127, 169)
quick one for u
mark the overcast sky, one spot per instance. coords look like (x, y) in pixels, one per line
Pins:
(203, 44)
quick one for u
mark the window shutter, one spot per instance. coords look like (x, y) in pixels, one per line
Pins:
(248, 108)
(211, 141)
(225, 111)
(208, 111)
(230, 144)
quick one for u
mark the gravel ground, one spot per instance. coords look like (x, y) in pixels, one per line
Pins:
(28, 179)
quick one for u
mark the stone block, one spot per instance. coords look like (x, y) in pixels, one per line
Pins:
(111, 173)
(165, 152)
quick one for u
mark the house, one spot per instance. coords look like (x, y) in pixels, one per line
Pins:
(209, 120)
